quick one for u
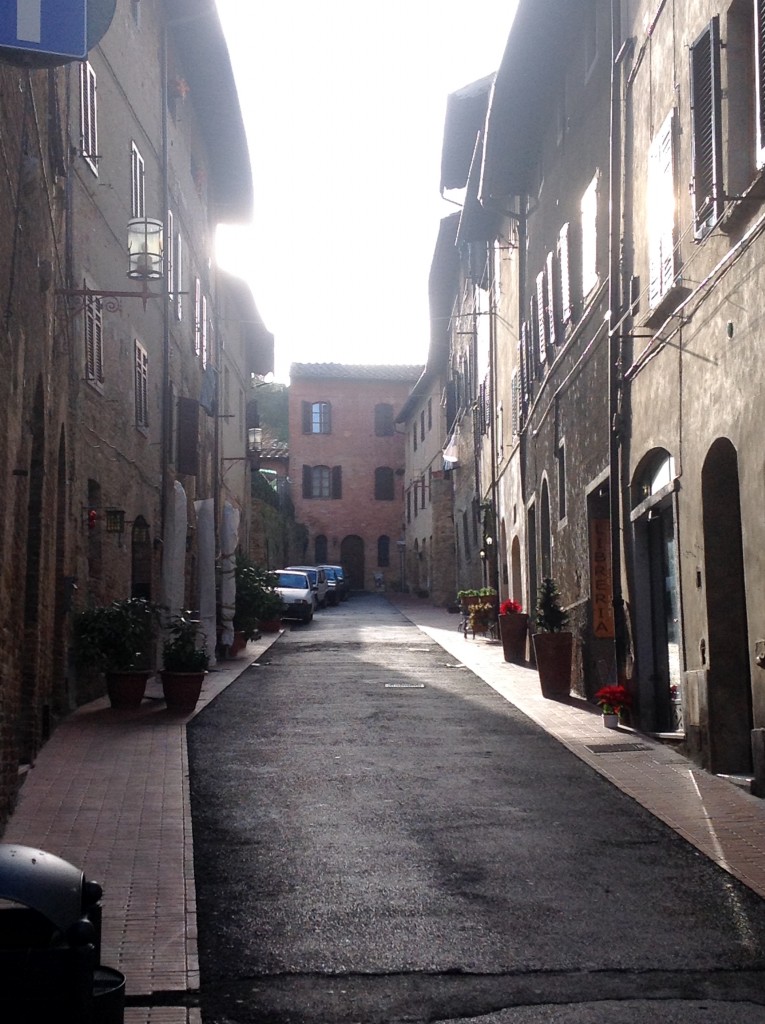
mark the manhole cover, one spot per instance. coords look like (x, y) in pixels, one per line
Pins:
(615, 748)
(405, 686)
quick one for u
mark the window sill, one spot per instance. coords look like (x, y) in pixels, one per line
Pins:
(665, 307)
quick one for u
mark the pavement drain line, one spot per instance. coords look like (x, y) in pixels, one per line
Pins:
(615, 748)
(405, 686)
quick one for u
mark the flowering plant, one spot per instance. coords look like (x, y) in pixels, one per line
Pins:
(613, 699)
(480, 614)
(509, 606)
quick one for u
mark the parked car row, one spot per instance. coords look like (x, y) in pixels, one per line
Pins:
(304, 588)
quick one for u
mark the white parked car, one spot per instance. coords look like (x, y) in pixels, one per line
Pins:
(294, 588)
(318, 579)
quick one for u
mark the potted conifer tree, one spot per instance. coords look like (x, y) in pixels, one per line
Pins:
(553, 643)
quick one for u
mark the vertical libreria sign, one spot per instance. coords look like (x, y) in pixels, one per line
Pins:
(56, 27)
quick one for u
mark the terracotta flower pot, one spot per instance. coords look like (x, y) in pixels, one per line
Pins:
(126, 689)
(553, 653)
(513, 629)
(182, 689)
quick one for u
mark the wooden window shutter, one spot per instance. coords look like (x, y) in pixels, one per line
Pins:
(553, 299)
(564, 268)
(94, 341)
(305, 412)
(542, 321)
(661, 217)
(337, 481)
(706, 128)
(307, 482)
(759, 64)
(141, 385)
(188, 436)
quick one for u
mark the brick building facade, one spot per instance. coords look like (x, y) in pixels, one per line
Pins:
(347, 465)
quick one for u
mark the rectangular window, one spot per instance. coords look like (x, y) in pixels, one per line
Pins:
(660, 201)
(203, 330)
(430, 414)
(384, 426)
(94, 341)
(590, 23)
(141, 386)
(178, 277)
(384, 484)
(515, 391)
(88, 116)
(322, 482)
(501, 427)
(197, 316)
(589, 211)
(137, 183)
(422, 425)
(564, 275)
(706, 129)
(553, 299)
(422, 491)
(414, 439)
(409, 506)
(170, 254)
(759, 43)
(542, 315)
(188, 436)
(561, 455)
(316, 418)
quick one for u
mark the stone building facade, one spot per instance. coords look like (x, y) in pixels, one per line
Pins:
(615, 441)
(113, 441)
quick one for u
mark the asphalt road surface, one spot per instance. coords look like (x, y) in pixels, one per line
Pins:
(379, 837)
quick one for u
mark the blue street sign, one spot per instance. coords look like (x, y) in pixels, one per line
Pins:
(57, 27)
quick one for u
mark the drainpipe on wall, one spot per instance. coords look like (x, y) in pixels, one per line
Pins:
(614, 343)
(494, 554)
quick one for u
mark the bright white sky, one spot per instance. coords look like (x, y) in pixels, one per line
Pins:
(344, 105)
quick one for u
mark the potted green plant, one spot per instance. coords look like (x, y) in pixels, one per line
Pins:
(513, 628)
(553, 643)
(185, 661)
(256, 602)
(117, 639)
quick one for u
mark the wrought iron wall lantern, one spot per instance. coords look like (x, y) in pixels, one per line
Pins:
(145, 251)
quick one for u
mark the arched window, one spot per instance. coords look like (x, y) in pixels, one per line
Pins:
(320, 549)
(383, 550)
(384, 483)
(384, 419)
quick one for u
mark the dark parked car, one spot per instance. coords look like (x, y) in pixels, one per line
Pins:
(333, 593)
(343, 586)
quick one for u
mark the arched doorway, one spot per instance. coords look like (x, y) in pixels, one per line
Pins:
(729, 691)
(352, 560)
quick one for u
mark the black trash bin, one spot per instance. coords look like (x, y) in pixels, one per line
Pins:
(50, 944)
